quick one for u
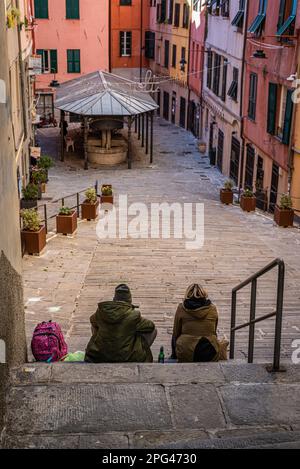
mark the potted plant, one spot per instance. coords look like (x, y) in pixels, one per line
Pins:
(66, 221)
(248, 201)
(30, 196)
(39, 177)
(107, 194)
(202, 147)
(33, 233)
(89, 208)
(226, 194)
(284, 213)
(45, 163)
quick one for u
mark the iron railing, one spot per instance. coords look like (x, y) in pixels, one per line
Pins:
(61, 201)
(253, 320)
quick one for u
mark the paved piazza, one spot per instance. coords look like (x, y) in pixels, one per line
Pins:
(74, 273)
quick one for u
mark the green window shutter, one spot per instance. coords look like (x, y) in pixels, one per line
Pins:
(72, 9)
(53, 61)
(70, 61)
(288, 118)
(41, 9)
(77, 60)
(272, 108)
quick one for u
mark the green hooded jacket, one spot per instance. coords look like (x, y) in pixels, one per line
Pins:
(117, 335)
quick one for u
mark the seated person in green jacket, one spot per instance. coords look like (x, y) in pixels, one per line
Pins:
(195, 329)
(119, 333)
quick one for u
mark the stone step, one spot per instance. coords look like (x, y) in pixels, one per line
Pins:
(139, 405)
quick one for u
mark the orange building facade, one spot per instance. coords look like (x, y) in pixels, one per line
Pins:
(129, 20)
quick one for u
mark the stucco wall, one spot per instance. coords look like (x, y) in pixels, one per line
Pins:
(89, 34)
(11, 301)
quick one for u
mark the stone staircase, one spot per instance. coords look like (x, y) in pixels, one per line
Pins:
(222, 405)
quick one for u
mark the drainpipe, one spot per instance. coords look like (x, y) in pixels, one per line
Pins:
(22, 77)
(141, 45)
(242, 101)
(293, 128)
(109, 36)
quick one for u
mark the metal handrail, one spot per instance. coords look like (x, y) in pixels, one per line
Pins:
(253, 320)
(62, 200)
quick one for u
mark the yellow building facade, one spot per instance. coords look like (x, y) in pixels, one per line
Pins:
(295, 188)
(170, 23)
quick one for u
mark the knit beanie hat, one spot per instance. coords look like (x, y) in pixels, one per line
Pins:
(122, 293)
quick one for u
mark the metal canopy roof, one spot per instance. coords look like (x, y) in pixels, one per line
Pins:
(103, 94)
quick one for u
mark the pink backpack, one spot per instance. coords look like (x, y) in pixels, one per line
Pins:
(48, 343)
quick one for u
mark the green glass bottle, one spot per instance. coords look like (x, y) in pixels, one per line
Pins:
(161, 356)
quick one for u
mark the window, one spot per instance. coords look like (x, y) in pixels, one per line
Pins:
(149, 45)
(209, 69)
(288, 118)
(49, 60)
(41, 9)
(174, 55)
(163, 11)
(72, 10)
(125, 43)
(233, 89)
(287, 16)
(224, 80)
(238, 20)
(214, 7)
(257, 25)
(171, 11)
(177, 15)
(225, 8)
(252, 96)
(73, 58)
(167, 52)
(272, 109)
(186, 16)
(280, 109)
(125, 2)
(217, 73)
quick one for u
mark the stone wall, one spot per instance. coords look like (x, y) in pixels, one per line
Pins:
(12, 330)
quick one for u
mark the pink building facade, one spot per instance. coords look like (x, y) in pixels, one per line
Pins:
(196, 64)
(73, 38)
(271, 62)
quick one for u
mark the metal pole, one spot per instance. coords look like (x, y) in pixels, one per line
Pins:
(151, 137)
(279, 309)
(233, 323)
(85, 143)
(147, 133)
(143, 130)
(129, 154)
(139, 127)
(45, 216)
(78, 205)
(62, 136)
(252, 318)
(135, 124)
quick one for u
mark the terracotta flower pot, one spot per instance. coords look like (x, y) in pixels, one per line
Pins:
(284, 217)
(43, 187)
(202, 147)
(89, 211)
(107, 199)
(226, 196)
(66, 224)
(248, 204)
(34, 241)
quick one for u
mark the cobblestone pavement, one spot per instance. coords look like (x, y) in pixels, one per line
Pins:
(74, 273)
